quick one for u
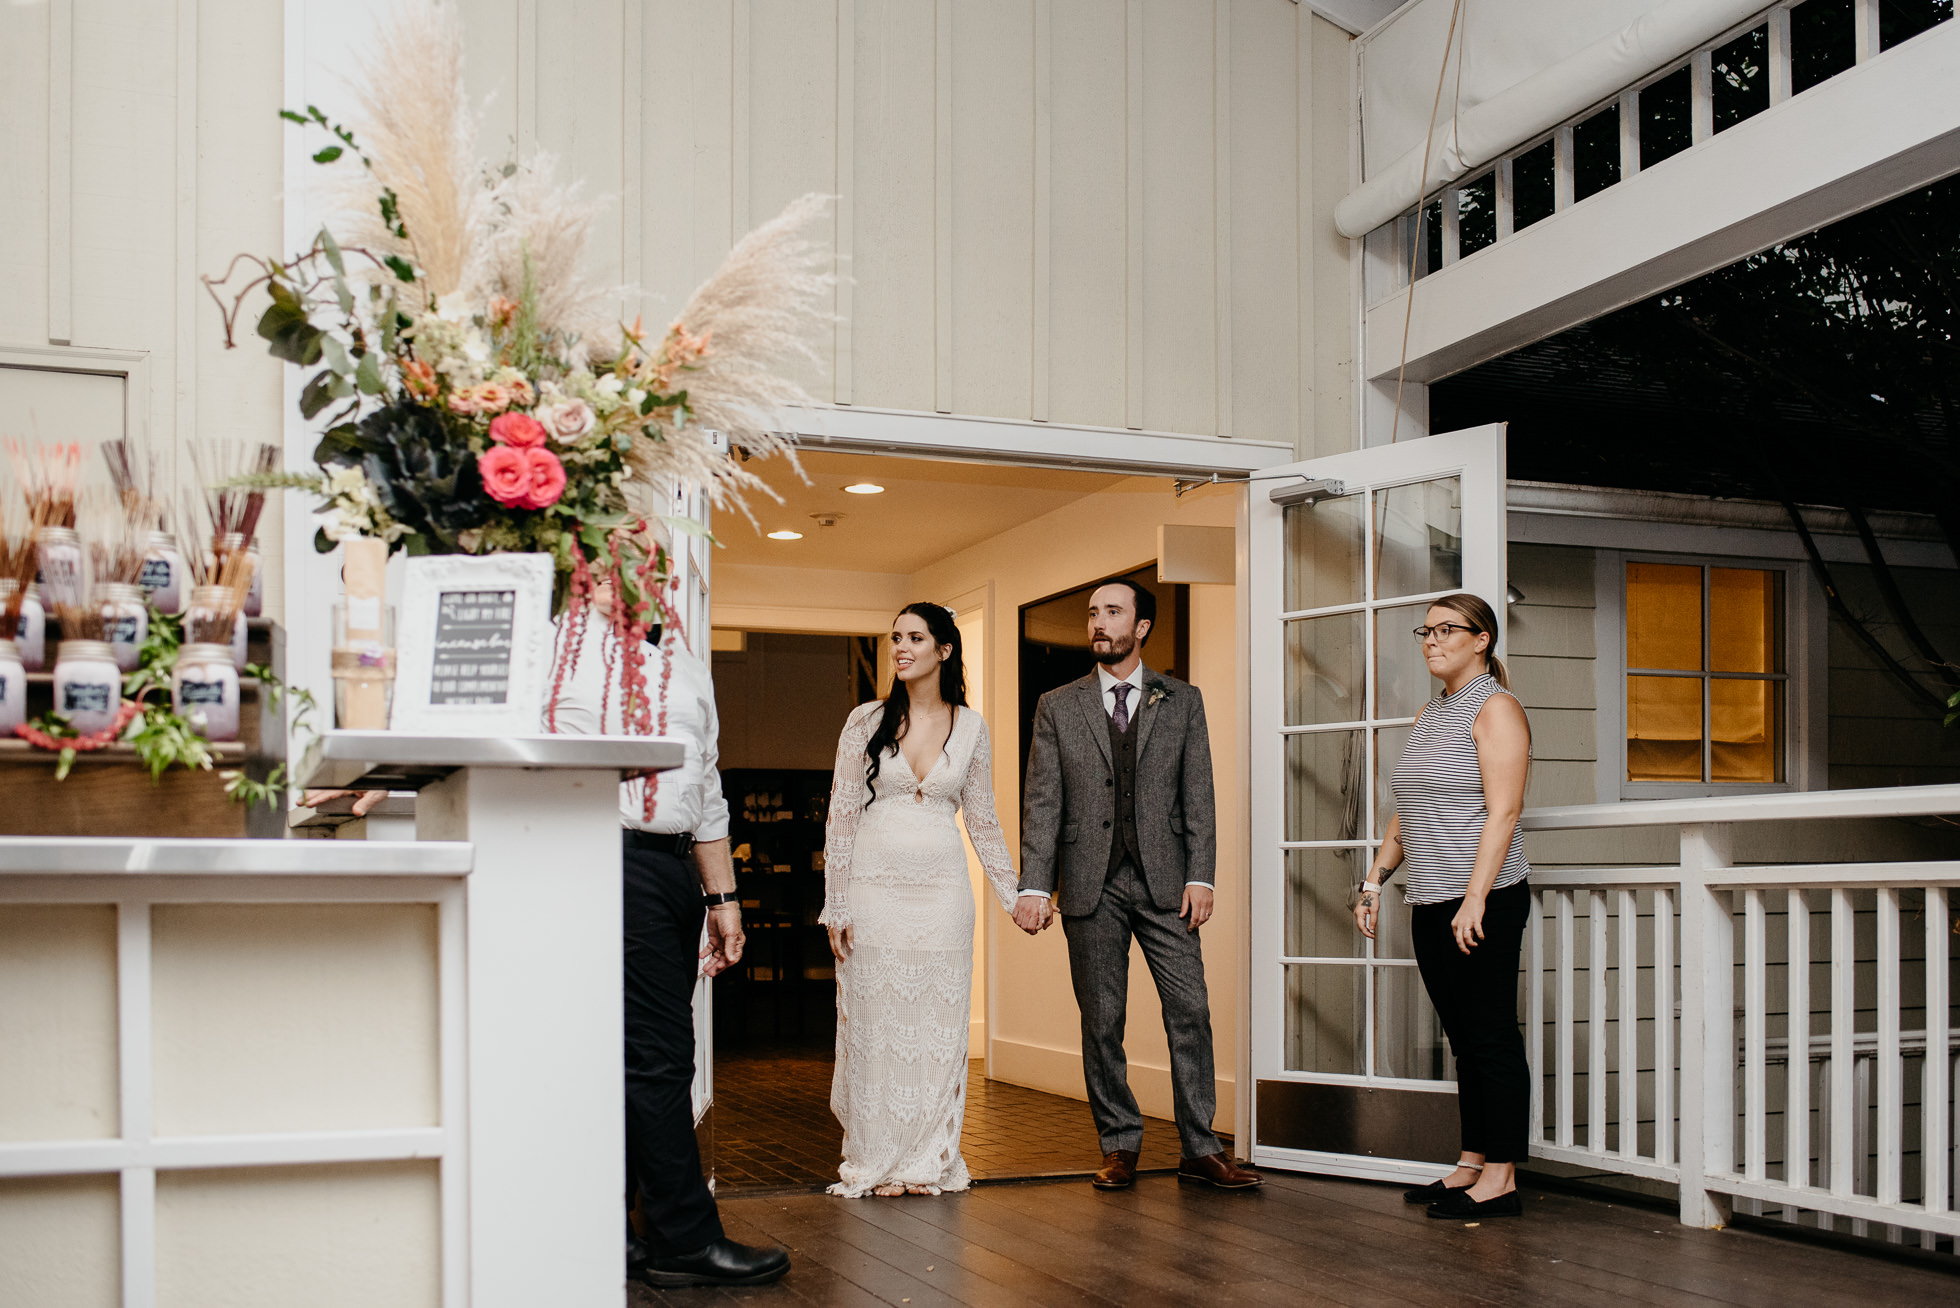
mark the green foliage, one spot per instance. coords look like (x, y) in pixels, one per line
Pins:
(164, 740)
(55, 725)
(288, 333)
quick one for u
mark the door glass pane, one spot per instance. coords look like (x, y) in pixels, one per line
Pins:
(1419, 538)
(1392, 923)
(1324, 1017)
(1409, 1039)
(1324, 669)
(1319, 885)
(1664, 616)
(1402, 681)
(1389, 743)
(1664, 728)
(1324, 777)
(1744, 717)
(1323, 553)
(1745, 626)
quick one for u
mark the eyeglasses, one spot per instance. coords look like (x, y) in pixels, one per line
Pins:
(1442, 631)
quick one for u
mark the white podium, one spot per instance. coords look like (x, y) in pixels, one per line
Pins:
(545, 1095)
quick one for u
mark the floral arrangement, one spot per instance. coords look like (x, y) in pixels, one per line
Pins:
(480, 394)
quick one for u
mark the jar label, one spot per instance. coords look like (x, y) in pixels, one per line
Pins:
(201, 692)
(85, 697)
(155, 574)
(124, 630)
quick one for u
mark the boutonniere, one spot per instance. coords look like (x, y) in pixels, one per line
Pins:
(1158, 691)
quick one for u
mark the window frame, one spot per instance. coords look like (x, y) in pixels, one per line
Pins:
(1806, 673)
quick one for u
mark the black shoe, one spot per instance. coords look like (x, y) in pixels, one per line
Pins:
(1457, 1205)
(1429, 1194)
(722, 1263)
(636, 1250)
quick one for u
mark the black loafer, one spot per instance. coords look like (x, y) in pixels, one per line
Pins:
(1429, 1194)
(722, 1263)
(1458, 1206)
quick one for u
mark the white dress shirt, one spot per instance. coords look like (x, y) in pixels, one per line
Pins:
(687, 798)
(1109, 684)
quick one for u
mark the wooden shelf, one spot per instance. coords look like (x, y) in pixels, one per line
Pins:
(17, 751)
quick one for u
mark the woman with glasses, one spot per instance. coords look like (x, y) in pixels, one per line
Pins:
(1459, 789)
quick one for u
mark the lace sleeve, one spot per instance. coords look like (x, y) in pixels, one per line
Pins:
(847, 795)
(983, 824)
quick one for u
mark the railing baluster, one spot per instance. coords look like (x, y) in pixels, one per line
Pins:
(1826, 1133)
(1755, 1026)
(1596, 1021)
(1796, 1096)
(1629, 974)
(1843, 957)
(1861, 1135)
(1891, 1069)
(1664, 1150)
(1936, 1133)
(1563, 1082)
(1535, 1006)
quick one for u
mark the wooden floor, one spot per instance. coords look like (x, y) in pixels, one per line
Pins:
(1300, 1240)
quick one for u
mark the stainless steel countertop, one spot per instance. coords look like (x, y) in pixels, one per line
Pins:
(395, 760)
(135, 856)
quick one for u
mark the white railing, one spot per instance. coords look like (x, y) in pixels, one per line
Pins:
(1673, 1081)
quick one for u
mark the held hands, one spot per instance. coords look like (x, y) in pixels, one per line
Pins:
(1034, 913)
(725, 939)
(1468, 924)
(1197, 905)
(842, 941)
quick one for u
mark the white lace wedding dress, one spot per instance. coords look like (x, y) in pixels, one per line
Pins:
(895, 871)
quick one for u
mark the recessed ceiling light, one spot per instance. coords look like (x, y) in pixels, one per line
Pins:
(785, 535)
(865, 488)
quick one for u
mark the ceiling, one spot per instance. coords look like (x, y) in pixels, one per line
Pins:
(930, 508)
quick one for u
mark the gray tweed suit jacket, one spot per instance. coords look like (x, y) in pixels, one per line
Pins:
(1069, 799)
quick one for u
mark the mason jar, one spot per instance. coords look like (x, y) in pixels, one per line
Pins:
(87, 685)
(30, 633)
(13, 688)
(208, 604)
(163, 573)
(125, 621)
(255, 593)
(59, 552)
(204, 689)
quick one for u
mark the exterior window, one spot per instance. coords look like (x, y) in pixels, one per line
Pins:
(1706, 674)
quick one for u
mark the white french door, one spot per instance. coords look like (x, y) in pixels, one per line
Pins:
(692, 557)
(1352, 1072)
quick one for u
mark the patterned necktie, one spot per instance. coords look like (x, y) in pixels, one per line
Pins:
(1122, 689)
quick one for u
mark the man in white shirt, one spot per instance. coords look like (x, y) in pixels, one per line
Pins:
(675, 866)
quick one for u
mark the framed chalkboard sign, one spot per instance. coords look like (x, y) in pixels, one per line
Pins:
(475, 648)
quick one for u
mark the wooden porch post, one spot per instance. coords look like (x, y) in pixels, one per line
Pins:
(1707, 1024)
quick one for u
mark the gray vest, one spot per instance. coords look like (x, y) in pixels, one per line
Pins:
(1123, 753)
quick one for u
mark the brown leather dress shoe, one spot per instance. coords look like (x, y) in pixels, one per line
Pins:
(1218, 1170)
(1119, 1171)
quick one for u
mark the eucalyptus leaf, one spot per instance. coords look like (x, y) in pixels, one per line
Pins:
(368, 376)
(331, 248)
(337, 357)
(317, 394)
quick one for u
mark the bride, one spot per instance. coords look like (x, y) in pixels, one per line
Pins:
(900, 913)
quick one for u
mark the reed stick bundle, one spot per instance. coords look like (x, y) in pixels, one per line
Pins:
(17, 558)
(226, 564)
(136, 475)
(47, 475)
(114, 534)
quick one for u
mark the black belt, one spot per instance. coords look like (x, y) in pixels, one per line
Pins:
(680, 846)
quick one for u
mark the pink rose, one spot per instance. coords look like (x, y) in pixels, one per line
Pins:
(519, 430)
(506, 474)
(547, 476)
(567, 421)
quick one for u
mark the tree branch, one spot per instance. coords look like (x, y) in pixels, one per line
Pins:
(1915, 692)
(1895, 602)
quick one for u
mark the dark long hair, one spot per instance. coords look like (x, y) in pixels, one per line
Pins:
(952, 688)
(1483, 621)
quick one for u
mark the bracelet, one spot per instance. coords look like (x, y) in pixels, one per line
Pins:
(721, 897)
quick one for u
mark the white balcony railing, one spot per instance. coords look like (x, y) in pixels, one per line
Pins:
(1687, 1076)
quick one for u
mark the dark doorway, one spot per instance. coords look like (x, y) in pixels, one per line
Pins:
(1055, 640)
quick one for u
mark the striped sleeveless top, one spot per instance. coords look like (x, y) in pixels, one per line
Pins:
(1439, 793)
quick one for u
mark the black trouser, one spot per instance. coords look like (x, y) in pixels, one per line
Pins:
(1476, 995)
(662, 946)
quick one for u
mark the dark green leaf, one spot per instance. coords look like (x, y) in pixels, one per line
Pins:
(328, 154)
(400, 267)
(292, 117)
(317, 394)
(285, 327)
(323, 543)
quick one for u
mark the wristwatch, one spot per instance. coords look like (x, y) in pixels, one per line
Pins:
(719, 898)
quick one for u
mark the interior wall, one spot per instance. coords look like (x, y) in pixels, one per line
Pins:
(143, 149)
(782, 700)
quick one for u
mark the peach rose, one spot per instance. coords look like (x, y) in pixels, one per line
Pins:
(463, 402)
(492, 398)
(419, 379)
(521, 394)
(520, 430)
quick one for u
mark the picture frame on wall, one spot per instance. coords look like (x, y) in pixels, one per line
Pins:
(475, 645)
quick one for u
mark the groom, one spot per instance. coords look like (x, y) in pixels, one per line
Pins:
(1119, 834)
